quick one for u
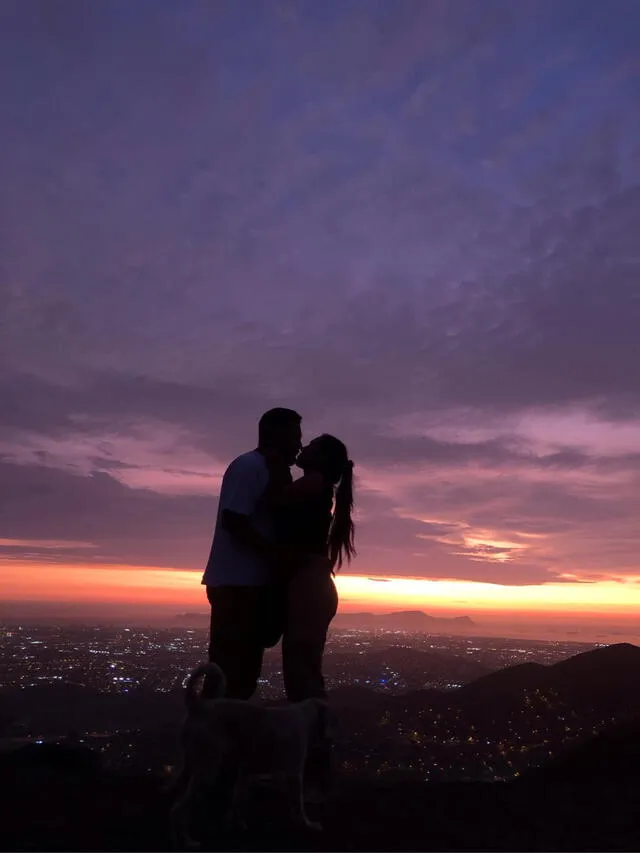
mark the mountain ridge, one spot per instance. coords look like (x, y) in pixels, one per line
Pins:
(584, 798)
(596, 669)
(416, 615)
(417, 619)
(83, 808)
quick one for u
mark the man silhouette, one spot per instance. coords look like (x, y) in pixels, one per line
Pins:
(239, 576)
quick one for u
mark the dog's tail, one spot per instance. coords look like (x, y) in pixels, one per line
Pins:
(216, 686)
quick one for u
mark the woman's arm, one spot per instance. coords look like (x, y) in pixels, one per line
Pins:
(279, 494)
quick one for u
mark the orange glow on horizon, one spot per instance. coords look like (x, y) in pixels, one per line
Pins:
(172, 588)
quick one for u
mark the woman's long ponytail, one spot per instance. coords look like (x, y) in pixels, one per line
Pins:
(341, 533)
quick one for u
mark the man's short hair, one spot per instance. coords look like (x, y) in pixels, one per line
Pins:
(276, 420)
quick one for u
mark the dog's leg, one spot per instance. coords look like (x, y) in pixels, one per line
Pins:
(179, 817)
(177, 785)
(296, 803)
(237, 816)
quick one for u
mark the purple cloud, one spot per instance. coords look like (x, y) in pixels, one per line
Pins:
(416, 222)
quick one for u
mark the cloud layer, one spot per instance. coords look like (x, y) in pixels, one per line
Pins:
(416, 222)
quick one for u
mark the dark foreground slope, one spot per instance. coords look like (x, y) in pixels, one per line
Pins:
(73, 805)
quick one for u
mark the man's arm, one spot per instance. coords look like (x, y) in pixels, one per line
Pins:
(242, 489)
(239, 526)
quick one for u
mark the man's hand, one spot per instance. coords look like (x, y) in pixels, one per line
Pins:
(239, 526)
(288, 559)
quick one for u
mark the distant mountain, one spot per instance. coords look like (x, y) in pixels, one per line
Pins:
(196, 616)
(511, 679)
(610, 673)
(607, 662)
(403, 620)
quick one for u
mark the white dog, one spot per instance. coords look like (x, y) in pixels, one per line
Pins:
(259, 742)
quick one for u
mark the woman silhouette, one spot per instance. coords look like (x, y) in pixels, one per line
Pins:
(314, 521)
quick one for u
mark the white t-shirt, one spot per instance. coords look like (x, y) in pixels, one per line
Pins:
(231, 563)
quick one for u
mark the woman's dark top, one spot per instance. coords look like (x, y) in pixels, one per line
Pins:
(305, 524)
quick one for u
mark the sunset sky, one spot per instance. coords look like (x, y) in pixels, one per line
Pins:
(414, 221)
